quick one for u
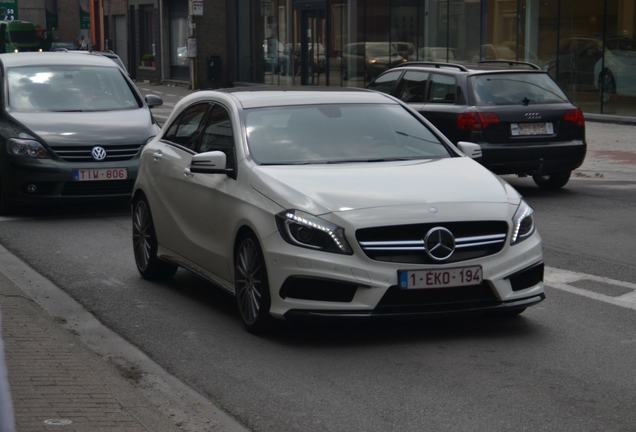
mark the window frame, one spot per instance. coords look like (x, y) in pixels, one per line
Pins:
(204, 123)
(400, 88)
(196, 135)
(395, 86)
(458, 92)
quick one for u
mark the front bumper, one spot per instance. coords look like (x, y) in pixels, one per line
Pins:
(53, 180)
(536, 158)
(375, 281)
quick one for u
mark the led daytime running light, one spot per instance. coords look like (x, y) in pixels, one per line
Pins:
(526, 211)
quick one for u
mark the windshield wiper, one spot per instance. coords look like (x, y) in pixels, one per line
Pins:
(416, 137)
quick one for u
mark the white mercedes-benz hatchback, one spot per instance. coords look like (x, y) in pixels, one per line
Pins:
(330, 203)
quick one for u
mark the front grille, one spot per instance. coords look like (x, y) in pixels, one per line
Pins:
(405, 243)
(121, 187)
(399, 300)
(83, 153)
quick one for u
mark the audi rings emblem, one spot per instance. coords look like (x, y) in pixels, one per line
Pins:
(98, 153)
(439, 243)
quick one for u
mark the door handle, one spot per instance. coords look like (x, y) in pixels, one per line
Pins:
(188, 173)
(157, 155)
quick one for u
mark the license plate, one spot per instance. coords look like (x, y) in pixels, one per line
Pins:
(526, 129)
(440, 278)
(100, 174)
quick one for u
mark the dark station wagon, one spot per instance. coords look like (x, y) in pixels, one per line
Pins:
(522, 120)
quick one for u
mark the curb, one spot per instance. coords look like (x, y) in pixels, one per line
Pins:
(189, 410)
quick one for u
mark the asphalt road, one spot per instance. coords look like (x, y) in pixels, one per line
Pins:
(566, 364)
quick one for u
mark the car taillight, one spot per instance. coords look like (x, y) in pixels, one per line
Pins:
(476, 121)
(575, 116)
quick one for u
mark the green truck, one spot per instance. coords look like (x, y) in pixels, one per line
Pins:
(17, 36)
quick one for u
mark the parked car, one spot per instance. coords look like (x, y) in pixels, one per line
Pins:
(615, 73)
(330, 203)
(369, 59)
(519, 116)
(63, 46)
(108, 54)
(18, 36)
(72, 126)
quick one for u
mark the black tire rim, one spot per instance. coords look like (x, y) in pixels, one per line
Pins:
(250, 277)
(142, 235)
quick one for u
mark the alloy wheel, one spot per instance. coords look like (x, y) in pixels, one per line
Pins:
(142, 235)
(251, 282)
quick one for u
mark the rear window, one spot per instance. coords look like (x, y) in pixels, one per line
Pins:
(516, 89)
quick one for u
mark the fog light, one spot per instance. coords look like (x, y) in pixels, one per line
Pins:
(32, 188)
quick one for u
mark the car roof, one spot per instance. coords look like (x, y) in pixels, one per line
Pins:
(54, 58)
(260, 97)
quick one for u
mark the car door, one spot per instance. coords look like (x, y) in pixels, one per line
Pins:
(212, 199)
(171, 157)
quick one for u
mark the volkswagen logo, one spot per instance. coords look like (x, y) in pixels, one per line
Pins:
(439, 243)
(98, 153)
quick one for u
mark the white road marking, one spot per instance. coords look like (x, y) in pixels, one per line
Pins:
(562, 280)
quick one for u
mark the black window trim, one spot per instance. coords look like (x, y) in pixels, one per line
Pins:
(397, 92)
(213, 103)
(397, 84)
(163, 138)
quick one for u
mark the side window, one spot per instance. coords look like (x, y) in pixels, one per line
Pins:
(217, 134)
(185, 128)
(414, 87)
(443, 89)
(385, 83)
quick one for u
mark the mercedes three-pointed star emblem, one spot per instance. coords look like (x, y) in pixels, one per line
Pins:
(439, 243)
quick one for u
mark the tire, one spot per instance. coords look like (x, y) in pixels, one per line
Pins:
(145, 244)
(552, 181)
(251, 285)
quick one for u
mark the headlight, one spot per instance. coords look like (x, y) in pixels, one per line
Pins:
(302, 229)
(27, 148)
(522, 223)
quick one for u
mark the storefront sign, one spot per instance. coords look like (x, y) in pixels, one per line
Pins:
(9, 10)
(196, 7)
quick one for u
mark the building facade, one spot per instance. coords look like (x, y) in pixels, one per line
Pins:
(586, 45)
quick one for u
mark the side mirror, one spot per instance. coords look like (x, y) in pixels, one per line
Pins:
(153, 101)
(471, 150)
(214, 162)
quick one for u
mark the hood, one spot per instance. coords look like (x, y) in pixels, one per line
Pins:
(95, 128)
(320, 189)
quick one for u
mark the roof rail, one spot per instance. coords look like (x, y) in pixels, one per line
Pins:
(435, 64)
(512, 63)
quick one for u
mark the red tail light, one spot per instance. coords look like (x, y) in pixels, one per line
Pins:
(575, 116)
(476, 121)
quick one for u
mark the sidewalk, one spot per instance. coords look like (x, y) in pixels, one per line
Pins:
(58, 384)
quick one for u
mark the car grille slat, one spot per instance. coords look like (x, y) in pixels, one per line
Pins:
(83, 153)
(405, 243)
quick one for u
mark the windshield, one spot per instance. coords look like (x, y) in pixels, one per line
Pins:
(316, 134)
(68, 88)
(516, 89)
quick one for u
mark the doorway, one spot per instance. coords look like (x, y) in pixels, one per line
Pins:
(311, 61)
